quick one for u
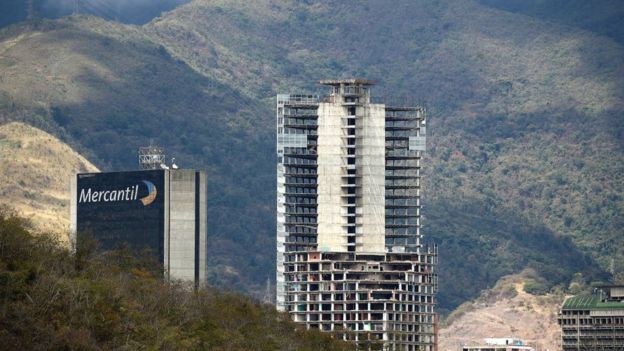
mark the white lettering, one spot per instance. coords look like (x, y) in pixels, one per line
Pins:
(84, 197)
(130, 193)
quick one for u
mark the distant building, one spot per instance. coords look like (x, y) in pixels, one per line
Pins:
(349, 256)
(500, 344)
(160, 210)
(594, 322)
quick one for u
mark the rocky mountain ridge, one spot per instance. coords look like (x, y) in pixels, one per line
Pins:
(525, 149)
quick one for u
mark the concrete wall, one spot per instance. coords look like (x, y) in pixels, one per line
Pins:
(73, 210)
(331, 233)
(371, 166)
(182, 225)
(166, 225)
(371, 160)
(203, 228)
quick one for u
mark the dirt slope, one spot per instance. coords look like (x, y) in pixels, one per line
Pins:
(35, 169)
(504, 311)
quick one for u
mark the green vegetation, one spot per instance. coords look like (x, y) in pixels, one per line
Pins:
(135, 12)
(51, 299)
(605, 17)
(511, 174)
(478, 247)
(525, 147)
(106, 89)
(536, 287)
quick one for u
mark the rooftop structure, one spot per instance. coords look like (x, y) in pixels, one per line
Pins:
(151, 157)
(594, 322)
(349, 256)
(500, 344)
(347, 82)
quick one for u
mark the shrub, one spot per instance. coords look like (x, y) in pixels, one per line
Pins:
(51, 298)
(535, 287)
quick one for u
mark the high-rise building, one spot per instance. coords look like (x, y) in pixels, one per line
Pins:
(161, 210)
(349, 256)
(593, 322)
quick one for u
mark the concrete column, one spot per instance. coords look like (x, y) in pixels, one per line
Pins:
(371, 160)
(182, 224)
(73, 210)
(331, 158)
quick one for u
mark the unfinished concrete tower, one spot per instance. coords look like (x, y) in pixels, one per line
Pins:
(349, 257)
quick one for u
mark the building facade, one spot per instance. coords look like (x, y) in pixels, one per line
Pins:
(163, 211)
(500, 344)
(349, 257)
(593, 322)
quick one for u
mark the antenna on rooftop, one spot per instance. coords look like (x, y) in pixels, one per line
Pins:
(30, 10)
(268, 296)
(152, 157)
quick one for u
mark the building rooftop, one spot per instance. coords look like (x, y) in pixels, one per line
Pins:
(590, 302)
(610, 286)
(357, 81)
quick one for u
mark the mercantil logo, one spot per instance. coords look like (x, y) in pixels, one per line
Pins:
(151, 188)
(128, 194)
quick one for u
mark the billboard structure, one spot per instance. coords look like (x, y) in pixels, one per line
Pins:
(163, 211)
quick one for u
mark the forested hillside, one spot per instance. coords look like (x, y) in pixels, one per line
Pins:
(53, 299)
(525, 114)
(605, 17)
(525, 151)
(124, 11)
(106, 89)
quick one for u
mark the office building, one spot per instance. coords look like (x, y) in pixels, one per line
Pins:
(162, 210)
(593, 322)
(349, 256)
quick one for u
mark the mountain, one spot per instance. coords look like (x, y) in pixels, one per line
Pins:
(35, 173)
(525, 114)
(605, 17)
(106, 89)
(525, 147)
(124, 11)
(12, 11)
